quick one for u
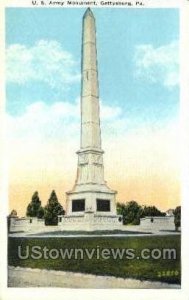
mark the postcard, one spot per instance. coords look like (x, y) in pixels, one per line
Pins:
(94, 149)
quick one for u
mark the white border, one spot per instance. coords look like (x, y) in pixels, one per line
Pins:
(183, 144)
(146, 3)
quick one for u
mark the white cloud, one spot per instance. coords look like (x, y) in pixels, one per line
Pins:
(158, 65)
(60, 120)
(43, 141)
(45, 122)
(59, 123)
(47, 136)
(45, 61)
(110, 112)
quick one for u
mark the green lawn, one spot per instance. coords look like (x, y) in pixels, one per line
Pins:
(167, 270)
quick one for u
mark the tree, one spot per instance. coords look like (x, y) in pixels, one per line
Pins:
(120, 208)
(131, 212)
(177, 217)
(152, 211)
(13, 213)
(40, 213)
(52, 210)
(34, 206)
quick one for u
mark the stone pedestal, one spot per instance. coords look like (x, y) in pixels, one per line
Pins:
(91, 222)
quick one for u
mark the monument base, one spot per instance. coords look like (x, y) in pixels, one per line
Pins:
(91, 198)
(90, 222)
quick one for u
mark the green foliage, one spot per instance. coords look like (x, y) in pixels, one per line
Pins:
(34, 206)
(131, 212)
(177, 217)
(40, 213)
(52, 210)
(152, 211)
(120, 208)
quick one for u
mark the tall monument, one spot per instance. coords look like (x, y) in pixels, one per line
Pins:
(90, 201)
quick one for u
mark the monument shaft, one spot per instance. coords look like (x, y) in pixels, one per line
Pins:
(90, 196)
(90, 119)
(90, 160)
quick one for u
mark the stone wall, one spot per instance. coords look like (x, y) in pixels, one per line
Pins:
(30, 225)
(91, 222)
(86, 222)
(157, 223)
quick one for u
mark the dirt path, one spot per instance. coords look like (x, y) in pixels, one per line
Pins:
(25, 277)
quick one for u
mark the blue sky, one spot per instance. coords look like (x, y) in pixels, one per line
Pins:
(119, 33)
(139, 94)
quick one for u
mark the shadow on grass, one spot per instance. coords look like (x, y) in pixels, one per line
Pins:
(98, 232)
(163, 230)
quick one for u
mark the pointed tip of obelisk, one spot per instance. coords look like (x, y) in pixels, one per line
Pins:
(88, 12)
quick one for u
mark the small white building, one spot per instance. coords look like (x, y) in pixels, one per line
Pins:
(170, 212)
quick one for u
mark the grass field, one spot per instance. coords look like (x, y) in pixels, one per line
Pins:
(165, 270)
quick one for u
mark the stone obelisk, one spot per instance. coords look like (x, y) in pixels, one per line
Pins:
(90, 194)
(90, 152)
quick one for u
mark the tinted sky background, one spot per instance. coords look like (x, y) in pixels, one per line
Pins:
(139, 93)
